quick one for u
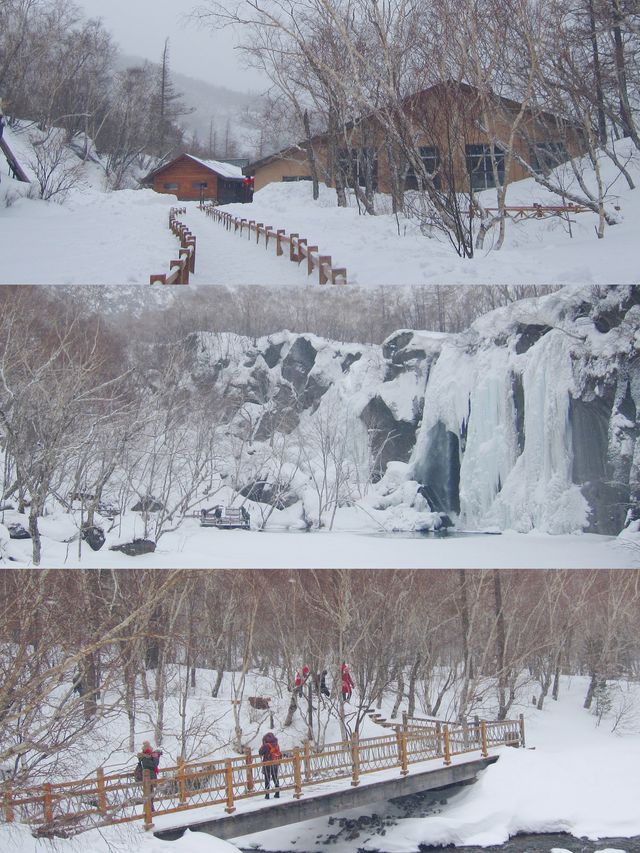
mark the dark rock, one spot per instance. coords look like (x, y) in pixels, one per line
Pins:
(627, 406)
(298, 362)
(439, 472)
(312, 393)
(517, 391)
(272, 354)
(274, 494)
(395, 343)
(389, 439)
(93, 536)
(392, 371)
(108, 510)
(528, 335)
(349, 360)
(135, 548)
(608, 499)
(148, 504)
(445, 522)
(254, 390)
(18, 531)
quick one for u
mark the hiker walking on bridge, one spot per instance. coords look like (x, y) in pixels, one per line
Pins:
(268, 752)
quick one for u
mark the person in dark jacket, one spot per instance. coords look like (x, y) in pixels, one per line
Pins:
(148, 759)
(324, 690)
(268, 752)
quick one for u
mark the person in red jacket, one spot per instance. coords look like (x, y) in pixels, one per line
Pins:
(297, 686)
(305, 673)
(270, 752)
(347, 682)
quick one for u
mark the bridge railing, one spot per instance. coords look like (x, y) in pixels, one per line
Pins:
(120, 797)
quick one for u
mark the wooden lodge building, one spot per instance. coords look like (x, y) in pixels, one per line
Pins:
(192, 179)
(446, 125)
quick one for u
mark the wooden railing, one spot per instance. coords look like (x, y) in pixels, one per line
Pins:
(71, 807)
(298, 247)
(186, 263)
(538, 211)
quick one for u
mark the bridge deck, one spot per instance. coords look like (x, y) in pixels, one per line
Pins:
(260, 815)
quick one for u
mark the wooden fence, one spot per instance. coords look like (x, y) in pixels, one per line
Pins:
(186, 263)
(298, 247)
(67, 808)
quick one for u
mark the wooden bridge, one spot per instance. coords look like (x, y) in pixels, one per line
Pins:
(427, 753)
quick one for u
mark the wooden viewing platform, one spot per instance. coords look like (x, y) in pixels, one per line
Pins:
(103, 799)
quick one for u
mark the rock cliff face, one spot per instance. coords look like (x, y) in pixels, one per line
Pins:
(526, 420)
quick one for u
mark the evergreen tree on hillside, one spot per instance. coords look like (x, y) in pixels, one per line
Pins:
(167, 106)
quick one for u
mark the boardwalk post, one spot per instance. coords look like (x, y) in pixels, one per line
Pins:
(102, 794)
(147, 800)
(401, 740)
(521, 722)
(307, 761)
(405, 762)
(279, 239)
(483, 736)
(182, 788)
(228, 781)
(48, 803)
(249, 768)
(447, 746)
(297, 776)
(310, 251)
(8, 803)
(293, 256)
(355, 760)
(323, 261)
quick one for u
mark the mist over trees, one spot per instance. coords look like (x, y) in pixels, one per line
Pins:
(59, 69)
(450, 644)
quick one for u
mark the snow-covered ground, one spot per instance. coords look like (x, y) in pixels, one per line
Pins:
(577, 775)
(192, 546)
(98, 237)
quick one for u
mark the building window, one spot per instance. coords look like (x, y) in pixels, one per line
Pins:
(199, 185)
(358, 164)
(480, 166)
(545, 156)
(430, 157)
(169, 186)
(296, 178)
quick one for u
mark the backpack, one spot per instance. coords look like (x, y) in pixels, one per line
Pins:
(149, 762)
(273, 751)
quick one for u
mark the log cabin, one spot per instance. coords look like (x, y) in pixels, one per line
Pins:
(190, 178)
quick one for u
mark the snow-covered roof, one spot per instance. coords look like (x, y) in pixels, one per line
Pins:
(225, 170)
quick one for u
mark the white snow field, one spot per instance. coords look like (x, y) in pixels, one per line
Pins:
(577, 775)
(98, 237)
(194, 547)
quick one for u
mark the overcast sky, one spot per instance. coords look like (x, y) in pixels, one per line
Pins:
(140, 27)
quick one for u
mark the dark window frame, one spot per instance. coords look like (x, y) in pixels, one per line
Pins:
(430, 156)
(554, 153)
(480, 166)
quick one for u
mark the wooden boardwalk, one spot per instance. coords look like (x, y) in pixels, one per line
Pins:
(103, 799)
